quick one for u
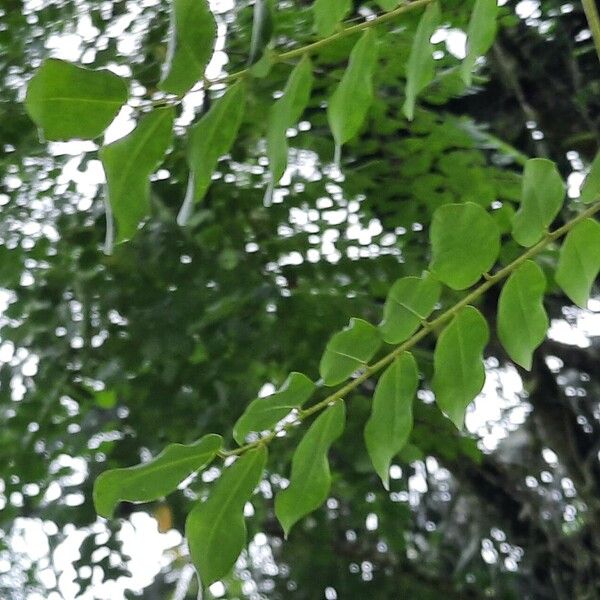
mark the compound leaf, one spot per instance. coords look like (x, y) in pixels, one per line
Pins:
(310, 479)
(264, 413)
(391, 420)
(459, 373)
(191, 41)
(128, 164)
(67, 101)
(156, 478)
(522, 320)
(579, 261)
(348, 350)
(421, 64)
(215, 529)
(542, 197)
(409, 302)
(465, 242)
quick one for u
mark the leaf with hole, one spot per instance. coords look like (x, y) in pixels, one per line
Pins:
(285, 113)
(67, 101)
(128, 164)
(391, 420)
(156, 478)
(579, 261)
(542, 196)
(459, 373)
(192, 38)
(465, 243)
(409, 302)
(264, 413)
(590, 190)
(348, 350)
(350, 102)
(480, 35)
(522, 319)
(328, 14)
(311, 478)
(421, 64)
(216, 529)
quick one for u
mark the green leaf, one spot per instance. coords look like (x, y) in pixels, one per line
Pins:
(590, 191)
(391, 420)
(459, 373)
(421, 64)
(348, 106)
(209, 139)
(347, 350)
(192, 37)
(388, 4)
(285, 113)
(262, 29)
(128, 164)
(410, 453)
(522, 320)
(66, 101)
(262, 67)
(215, 529)
(310, 479)
(541, 199)
(480, 35)
(264, 413)
(579, 261)
(409, 302)
(465, 242)
(328, 14)
(156, 478)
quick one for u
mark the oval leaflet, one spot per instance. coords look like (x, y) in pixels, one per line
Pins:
(391, 420)
(522, 320)
(156, 478)
(310, 479)
(459, 373)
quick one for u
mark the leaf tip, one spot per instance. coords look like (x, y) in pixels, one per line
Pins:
(385, 480)
(104, 502)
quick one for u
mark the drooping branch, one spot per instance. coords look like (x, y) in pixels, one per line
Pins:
(425, 330)
(310, 48)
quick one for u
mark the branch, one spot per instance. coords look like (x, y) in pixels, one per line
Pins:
(426, 329)
(307, 49)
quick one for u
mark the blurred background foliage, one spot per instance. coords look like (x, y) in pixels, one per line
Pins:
(106, 359)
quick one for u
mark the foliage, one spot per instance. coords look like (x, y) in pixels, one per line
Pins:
(168, 332)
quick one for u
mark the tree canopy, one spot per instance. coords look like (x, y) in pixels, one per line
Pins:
(294, 278)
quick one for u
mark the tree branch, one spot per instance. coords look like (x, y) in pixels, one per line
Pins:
(424, 331)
